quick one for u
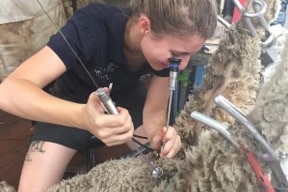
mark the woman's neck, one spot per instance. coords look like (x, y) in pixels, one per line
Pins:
(132, 48)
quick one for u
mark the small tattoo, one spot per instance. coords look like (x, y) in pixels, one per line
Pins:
(35, 146)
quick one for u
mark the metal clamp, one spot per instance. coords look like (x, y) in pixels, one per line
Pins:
(274, 158)
(240, 117)
(220, 127)
(260, 8)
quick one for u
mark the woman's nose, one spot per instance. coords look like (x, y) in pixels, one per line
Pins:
(184, 62)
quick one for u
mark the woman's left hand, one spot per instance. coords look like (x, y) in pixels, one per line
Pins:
(170, 142)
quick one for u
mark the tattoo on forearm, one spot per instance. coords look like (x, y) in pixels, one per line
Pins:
(35, 146)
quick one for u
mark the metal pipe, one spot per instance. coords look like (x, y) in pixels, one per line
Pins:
(239, 6)
(221, 128)
(226, 24)
(240, 117)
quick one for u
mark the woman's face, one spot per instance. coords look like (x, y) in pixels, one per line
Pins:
(157, 50)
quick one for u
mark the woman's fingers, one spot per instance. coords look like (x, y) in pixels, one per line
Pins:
(171, 148)
(171, 143)
(118, 138)
(110, 129)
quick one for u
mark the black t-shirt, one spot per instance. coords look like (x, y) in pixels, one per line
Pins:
(96, 34)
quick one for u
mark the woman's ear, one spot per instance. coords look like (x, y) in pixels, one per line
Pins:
(144, 25)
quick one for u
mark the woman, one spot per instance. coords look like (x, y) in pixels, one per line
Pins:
(116, 45)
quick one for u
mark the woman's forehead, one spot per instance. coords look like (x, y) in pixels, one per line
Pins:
(185, 44)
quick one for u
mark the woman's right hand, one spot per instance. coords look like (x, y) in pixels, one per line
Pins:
(110, 129)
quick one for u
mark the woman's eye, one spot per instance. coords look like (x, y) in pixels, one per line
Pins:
(175, 55)
(178, 55)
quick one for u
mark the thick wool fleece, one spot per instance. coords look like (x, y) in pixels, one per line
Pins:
(233, 72)
(127, 175)
(271, 113)
(213, 164)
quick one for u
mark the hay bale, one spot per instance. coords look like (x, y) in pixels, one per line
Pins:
(25, 31)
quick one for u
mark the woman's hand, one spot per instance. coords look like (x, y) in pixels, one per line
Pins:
(110, 129)
(169, 142)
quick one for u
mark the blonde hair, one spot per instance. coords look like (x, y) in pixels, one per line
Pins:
(178, 17)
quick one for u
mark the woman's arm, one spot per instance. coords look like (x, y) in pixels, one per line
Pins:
(21, 94)
(155, 115)
(155, 109)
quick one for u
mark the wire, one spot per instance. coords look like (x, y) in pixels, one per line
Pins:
(140, 137)
(69, 45)
(142, 145)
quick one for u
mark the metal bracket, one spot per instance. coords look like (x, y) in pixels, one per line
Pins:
(274, 158)
(260, 8)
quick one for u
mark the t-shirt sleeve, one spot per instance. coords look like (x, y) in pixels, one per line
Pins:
(78, 37)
